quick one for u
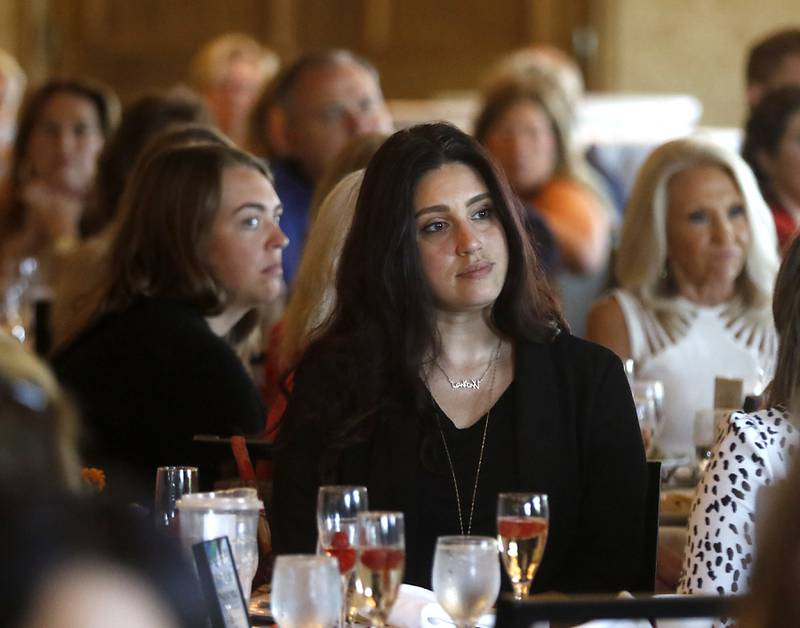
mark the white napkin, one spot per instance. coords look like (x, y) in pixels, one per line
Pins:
(416, 607)
(410, 601)
(434, 616)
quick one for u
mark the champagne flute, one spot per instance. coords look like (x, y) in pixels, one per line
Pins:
(337, 522)
(466, 577)
(522, 534)
(381, 562)
(306, 591)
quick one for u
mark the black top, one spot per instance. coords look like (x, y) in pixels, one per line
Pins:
(435, 481)
(575, 438)
(147, 379)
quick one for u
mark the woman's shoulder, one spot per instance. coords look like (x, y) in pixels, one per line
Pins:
(562, 189)
(768, 435)
(146, 327)
(571, 353)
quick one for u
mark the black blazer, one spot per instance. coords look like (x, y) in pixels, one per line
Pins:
(578, 441)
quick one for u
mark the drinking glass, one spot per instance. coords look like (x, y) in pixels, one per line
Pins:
(522, 520)
(306, 591)
(381, 562)
(466, 577)
(337, 522)
(172, 483)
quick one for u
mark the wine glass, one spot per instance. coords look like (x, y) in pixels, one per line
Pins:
(337, 522)
(306, 591)
(381, 562)
(466, 577)
(522, 520)
(172, 483)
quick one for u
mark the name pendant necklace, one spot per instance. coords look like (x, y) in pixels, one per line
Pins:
(493, 367)
(471, 384)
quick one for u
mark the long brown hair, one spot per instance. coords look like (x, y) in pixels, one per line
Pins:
(785, 387)
(159, 247)
(383, 327)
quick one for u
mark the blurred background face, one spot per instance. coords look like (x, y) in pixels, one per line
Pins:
(783, 167)
(246, 241)
(234, 92)
(331, 105)
(708, 235)
(64, 143)
(523, 141)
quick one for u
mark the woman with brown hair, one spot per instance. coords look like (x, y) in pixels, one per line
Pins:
(197, 250)
(446, 375)
(772, 149)
(755, 451)
(63, 125)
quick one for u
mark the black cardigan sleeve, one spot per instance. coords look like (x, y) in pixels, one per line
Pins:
(608, 549)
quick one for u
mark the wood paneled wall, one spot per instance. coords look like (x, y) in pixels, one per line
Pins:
(421, 47)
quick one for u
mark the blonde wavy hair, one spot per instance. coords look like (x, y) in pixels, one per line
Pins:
(314, 291)
(38, 426)
(642, 253)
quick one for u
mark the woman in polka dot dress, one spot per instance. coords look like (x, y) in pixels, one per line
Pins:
(755, 451)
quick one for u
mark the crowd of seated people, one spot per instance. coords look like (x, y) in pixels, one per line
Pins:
(398, 265)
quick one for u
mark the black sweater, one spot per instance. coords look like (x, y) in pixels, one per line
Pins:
(146, 380)
(576, 439)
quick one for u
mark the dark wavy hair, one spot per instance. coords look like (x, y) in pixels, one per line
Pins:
(766, 127)
(49, 535)
(785, 387)
(384, 326)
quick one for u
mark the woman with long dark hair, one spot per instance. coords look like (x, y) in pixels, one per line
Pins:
(447, 375)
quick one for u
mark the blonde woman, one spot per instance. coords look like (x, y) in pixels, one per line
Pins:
(38, 426)
(696, 265)
(314, 293)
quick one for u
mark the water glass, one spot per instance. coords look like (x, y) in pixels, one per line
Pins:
(172, 483)
(233, 513)
(381, 562)
(306, 591)
(466, 577)
(522, 521)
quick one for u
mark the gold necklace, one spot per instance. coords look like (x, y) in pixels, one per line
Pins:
(480, 456)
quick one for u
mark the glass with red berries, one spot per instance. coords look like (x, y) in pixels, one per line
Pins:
(522, 522)
(381, 562)
(337, 522)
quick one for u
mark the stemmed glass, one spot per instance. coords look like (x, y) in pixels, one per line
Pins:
(466, 577)
(381, 562)
(172, 483)
(337, 522)
(306, 591)
(522, 520)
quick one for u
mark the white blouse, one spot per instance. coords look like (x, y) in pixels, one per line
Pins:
(708, 342)
(754, 452)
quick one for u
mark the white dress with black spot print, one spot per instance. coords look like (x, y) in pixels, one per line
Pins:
(755, 451)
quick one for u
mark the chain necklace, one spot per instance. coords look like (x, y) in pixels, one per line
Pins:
(480, 456)
(472, 384)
